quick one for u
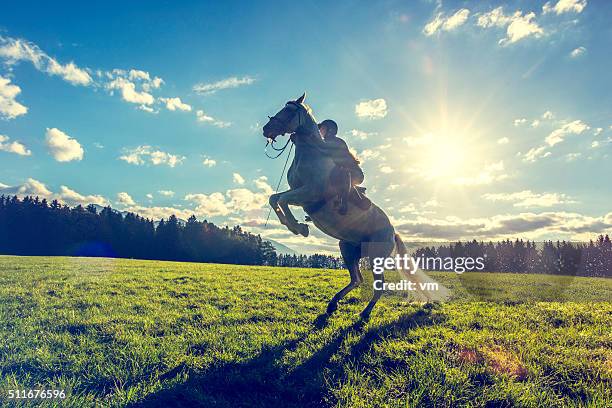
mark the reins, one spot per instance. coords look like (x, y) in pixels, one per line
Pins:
(282, 173)
(281, 150)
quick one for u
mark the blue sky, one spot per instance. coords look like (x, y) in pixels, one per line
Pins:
(472, 119)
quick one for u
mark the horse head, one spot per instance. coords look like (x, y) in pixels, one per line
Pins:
(293, 115)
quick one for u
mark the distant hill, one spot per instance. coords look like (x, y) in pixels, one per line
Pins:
(282, 249)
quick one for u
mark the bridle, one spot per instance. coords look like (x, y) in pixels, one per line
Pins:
(284, 124)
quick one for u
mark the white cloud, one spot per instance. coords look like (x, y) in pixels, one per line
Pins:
(555, 137)
(521, 121)
(572, 156)
(597, 131)
(527, 198)
(13, 147)
(536, 153)
(522, 27)
(503, 140)
(208, 162)
(595, 144)
(209, 205)
(524, 225)
(360, 134)
(231, 82)
(494, 18)
(490, 173)
(62, 147)
(71, 197)
(262, 184)
(125, 199)
(136, 74)
(176, 103)
(565, 6)
(456, 20)
(577, 52)
(238, 179)
(15, 50)
(558, 135)
(371, 109)
(234, 201)
(66, 195)
(548, 115)
(141, 154)
(242, 199)
(535, 123)
(368, 154)
(519, 26)
(166, 193)
(203, 117)
(129, 92)
(385, 169)
(9, 107)
(157, 213)
(149, 196)
(31, 187)
(440, 22)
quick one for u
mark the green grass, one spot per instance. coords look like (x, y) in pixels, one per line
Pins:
(125, 332)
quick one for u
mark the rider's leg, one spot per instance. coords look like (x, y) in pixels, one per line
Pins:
(345, 190)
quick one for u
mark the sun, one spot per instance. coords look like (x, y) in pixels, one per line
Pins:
(441, 154)
(444, 156)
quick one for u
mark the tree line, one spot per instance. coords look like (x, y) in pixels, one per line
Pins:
(33, 226)
(560, 258)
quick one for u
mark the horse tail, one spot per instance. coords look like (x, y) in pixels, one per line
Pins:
(420, 278)
(399, 245)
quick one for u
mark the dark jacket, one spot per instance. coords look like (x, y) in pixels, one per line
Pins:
(338, 150)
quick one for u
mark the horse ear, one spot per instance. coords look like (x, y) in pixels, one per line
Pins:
(301, 98)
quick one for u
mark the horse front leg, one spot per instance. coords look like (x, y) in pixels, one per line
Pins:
(273, 201)
(298, 197)
(285, 216)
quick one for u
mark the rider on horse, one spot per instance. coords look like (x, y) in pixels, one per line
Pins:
(347, 174)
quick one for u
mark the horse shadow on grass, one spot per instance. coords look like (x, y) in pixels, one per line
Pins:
(265, 382)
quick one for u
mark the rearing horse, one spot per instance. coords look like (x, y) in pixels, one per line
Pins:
(362, 233)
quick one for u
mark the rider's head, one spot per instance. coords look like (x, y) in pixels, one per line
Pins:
(328, 128)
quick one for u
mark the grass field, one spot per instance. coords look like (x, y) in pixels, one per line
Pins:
(125, 332)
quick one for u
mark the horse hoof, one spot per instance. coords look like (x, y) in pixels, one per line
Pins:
(304, 230)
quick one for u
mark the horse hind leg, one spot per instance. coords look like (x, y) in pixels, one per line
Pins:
(351, 254)
(377, 249)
